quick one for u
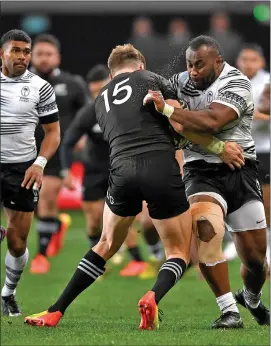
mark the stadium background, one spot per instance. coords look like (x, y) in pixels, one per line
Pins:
(87, 32)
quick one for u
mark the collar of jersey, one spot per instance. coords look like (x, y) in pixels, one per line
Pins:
(14, 78)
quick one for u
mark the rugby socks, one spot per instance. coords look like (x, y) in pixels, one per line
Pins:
(135, 254)
(88, 270)
(154, 244)
(46, 227)
(14, 270)
(94, 239)
(227, 303)
(169, 274)
(252, 299)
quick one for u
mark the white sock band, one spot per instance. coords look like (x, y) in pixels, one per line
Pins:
(252, 299)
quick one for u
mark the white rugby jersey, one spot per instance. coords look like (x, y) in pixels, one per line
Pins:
(232, 89)
(24, 100)
(260, 128)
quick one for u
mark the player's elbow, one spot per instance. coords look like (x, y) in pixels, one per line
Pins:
(213, 127)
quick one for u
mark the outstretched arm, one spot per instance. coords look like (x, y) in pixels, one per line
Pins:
(229, 152)
(209, 120)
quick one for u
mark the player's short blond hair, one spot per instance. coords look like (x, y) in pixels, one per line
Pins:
(124, 55)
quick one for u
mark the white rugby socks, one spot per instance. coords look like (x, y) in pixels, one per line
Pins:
(14, 270)
(252, 299)
(227, 303)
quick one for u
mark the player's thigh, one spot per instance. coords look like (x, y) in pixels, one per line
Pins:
(248, 229)
(14, 196)
(162, 186)
(50, 189)
(18, 225)
(123, 196)
(264, 177)
(266, 200)
(115, 229)
(202, 186)
(93, 211)
(175, 234)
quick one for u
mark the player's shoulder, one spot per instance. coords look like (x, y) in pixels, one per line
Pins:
(179, 80)
(230, 73)
(39, 82)
(231, 77)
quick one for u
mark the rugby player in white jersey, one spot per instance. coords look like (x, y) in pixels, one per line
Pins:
(25, 99)
(251, 62)
(220, 101)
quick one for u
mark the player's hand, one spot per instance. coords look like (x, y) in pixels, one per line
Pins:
(33, 175)
(233, 155)
(157, 98)
(67, 182)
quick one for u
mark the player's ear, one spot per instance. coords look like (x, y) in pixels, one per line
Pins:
(141, 67)
(110, 76)
(1, 52)
(218, 61)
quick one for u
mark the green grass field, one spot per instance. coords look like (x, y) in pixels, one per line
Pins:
(106, 314)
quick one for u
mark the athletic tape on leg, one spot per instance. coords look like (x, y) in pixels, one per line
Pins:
(209, 229)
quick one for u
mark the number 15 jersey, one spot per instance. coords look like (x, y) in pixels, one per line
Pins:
(129, 127)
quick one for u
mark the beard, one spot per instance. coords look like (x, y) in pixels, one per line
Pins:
(43, 74)
(206, 81)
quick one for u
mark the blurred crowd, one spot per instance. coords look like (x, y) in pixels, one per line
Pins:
(165, 53)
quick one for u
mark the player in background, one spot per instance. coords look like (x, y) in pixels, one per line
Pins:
(26, 99)
(143, 167)
(251, 63)
(221, 103)
(71, 95)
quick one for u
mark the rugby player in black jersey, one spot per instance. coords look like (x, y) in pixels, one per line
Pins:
(143, 167)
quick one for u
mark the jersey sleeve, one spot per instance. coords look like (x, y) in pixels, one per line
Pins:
(166, 88)
(47, 107)
(236, 94)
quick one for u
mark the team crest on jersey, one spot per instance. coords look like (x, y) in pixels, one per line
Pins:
(25, 91)
(210, 96)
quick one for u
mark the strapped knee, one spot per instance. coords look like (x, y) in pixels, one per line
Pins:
(209, 229)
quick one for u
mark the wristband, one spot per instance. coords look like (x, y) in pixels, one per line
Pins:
(40, 161)
(216, 146)
(168, 110)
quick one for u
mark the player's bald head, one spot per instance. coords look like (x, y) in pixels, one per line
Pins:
(204, 45)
